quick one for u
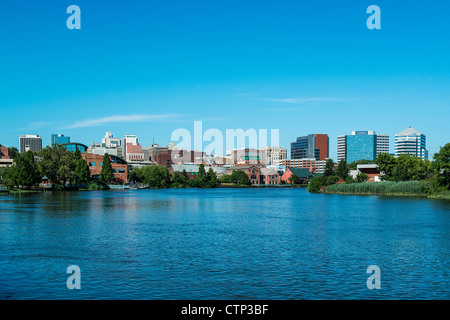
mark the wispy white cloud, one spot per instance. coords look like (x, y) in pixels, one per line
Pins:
(121, 118)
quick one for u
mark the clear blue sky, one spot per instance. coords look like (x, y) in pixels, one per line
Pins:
(299, 66)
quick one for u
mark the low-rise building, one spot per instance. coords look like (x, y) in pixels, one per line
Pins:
(370, 169)
(269, 176)
(253, 172)
(95, 163)
(302, 173)
(193, 169)
(313, 165)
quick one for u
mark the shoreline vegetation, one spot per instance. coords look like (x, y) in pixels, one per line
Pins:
(63, 170)
(387, 188)
(404, 175)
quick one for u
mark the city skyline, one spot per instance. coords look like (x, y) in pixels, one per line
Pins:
(384, 148)
(151, 68)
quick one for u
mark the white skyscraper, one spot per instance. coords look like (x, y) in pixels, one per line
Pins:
(412, 142)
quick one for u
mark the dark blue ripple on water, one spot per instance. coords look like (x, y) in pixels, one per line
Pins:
(222, 244)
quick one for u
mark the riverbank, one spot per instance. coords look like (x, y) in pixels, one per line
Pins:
(388, 188)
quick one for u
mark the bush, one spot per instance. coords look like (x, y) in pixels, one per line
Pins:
(315, 184)
(332, 180)
(97, 185)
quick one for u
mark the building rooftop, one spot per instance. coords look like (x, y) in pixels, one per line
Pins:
(409, 132)
(301, 172)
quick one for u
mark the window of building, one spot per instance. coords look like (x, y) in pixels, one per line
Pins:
(91, 164)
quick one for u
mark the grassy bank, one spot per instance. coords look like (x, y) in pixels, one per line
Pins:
(405, 188)
(410, 188)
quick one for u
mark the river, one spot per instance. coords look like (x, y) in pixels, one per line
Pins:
(222, 244)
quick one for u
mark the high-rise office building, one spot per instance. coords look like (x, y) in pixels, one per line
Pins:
(59, 139)
(361, 145)
(30, 142)
(311, 146)
(412, 142)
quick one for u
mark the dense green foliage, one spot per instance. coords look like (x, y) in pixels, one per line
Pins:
(13, 152)
(316, 183)
(361, 177)
(388, 187)
(157, 176)
(57, 164)
(82, 171)
(107, 174)
(97, 185)
(238, 177)
(24, 173)
(295, 180)
(342, 170)
(54, 162)
(403, 168)
(432, 177)
(329, 168)
(441, 165)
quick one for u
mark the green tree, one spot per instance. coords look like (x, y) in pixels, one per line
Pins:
(441, 165)
(294, 179)
(362, 177)
(342, 169)
(211, 179)
(135, 175)
(329, 168)
(5, 177)
(201, 178)
(350, 179)
(107, 174)
(57, 164)
(332, 180)
(157, 176)
(386, 164)
(315, 184)
(240, 177)
(25, 172)
(13, 152)
(409, 168)
(82, 171)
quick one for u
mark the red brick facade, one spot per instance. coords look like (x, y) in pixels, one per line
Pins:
(322, 143)
(253, 173)
(95, 163)
(4, 152)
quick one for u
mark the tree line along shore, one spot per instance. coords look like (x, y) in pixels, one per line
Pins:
(65, 170)
(404, 175)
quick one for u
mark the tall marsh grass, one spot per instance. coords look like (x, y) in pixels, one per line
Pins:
(386, 187)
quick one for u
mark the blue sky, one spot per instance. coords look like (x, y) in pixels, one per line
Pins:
(150, 67)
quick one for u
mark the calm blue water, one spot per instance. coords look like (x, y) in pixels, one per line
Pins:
(222, 244)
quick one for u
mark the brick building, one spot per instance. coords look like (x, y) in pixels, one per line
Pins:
(270, 176)
(302, 173)
(253, 172)
(95, 163)
(4, 152)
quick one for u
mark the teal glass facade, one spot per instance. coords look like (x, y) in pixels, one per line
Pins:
(60, 139)
(361, 146)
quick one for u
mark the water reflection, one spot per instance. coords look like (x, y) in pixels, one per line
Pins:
(222, 244)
